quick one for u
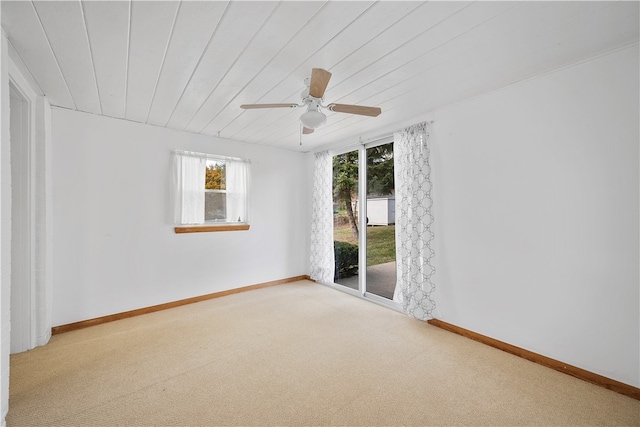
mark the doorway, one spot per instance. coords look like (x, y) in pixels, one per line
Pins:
(364, 217)
(22, 255)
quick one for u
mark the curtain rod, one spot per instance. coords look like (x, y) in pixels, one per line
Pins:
(344, 148)
(354, 146)
(375, 139)
(210, 156)
(388, 135)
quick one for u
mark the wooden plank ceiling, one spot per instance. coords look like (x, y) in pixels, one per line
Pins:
(189, 65)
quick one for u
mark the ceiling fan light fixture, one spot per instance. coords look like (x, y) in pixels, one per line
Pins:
(313, 119)
(312, 97)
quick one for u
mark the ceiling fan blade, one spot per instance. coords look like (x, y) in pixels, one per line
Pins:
(252, 106)
(306, 131)
(319, 81)
(355, 109)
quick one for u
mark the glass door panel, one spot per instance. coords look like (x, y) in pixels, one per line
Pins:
(345, 219)
(380, 228)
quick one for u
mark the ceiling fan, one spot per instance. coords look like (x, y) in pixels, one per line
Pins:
(312, 97)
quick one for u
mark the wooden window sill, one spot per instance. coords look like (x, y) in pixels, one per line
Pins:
(210, 228)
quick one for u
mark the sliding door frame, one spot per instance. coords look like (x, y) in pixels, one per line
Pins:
(362, 235)
(362, 213)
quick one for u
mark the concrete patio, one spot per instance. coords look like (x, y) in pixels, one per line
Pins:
(381, 280)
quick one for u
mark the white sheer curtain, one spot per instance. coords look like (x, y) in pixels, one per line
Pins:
(237, 180)
(189, 178)
(322, 260)
(413, 222)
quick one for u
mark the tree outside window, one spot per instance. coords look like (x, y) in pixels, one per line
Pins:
(215, 197)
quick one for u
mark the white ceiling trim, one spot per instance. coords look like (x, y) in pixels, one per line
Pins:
(164, 58)
(126, 80)
(66, 84)
(23, 70)
(93, 63)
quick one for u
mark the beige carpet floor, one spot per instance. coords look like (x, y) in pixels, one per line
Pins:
(294, 354)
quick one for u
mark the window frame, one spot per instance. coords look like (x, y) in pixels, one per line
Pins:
(217, 159)
(213, 225)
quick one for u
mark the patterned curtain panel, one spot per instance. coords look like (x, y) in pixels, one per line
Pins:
(322, 258)
(413, 222)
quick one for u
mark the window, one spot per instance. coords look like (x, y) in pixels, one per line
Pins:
(211, 192)
(215, 191)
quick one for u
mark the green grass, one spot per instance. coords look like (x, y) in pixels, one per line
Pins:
(344, 234)
(381, 242)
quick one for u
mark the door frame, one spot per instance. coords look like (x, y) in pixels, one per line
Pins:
(362, 200)
(362, 213)
(38, 265)
(23, 322)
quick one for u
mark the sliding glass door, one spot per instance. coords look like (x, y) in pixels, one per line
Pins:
(346, 226)
(381, 237)
(364, 217)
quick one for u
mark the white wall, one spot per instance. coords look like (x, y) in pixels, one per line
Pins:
(113, 241)
(5, 230)
(536, 205)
